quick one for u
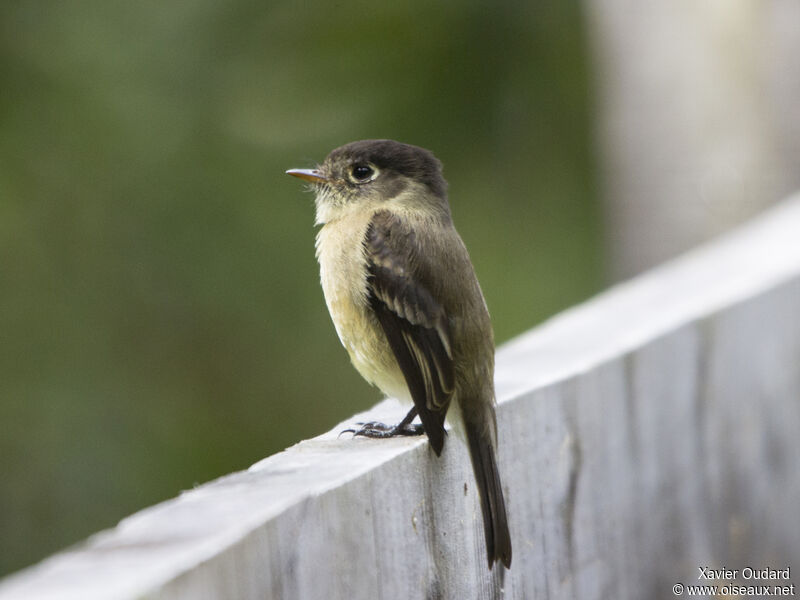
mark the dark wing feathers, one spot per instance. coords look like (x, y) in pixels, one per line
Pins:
(403, 296)
(414, 322)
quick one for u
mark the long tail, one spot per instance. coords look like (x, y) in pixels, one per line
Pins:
(495, 522)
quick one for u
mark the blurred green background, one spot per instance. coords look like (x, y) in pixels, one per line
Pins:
(160, 312)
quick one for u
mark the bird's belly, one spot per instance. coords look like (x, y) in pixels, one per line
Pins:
(373, 359)
(343, 277)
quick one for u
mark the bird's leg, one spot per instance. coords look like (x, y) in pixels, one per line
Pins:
(375, 429)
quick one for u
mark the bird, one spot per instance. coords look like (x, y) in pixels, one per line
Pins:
(406, 304)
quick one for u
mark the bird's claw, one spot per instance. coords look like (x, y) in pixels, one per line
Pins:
(376, 429)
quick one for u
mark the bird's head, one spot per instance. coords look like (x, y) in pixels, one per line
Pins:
(369, 174)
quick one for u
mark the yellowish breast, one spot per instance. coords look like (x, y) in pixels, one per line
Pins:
(343, 275)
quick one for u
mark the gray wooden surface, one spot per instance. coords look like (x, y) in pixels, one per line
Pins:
(697, 122)
(652, 430)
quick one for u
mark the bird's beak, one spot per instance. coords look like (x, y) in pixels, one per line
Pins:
(312, 175)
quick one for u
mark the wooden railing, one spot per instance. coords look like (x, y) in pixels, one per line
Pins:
(649, 433)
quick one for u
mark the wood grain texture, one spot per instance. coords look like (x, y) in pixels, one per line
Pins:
(645, 433)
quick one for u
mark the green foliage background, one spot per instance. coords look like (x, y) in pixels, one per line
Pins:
(161, 321)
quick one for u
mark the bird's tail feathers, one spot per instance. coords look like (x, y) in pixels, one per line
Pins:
(487, 477)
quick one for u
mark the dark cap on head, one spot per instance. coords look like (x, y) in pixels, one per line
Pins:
(413, 162)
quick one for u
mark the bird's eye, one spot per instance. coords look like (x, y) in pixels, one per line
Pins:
(362, 173)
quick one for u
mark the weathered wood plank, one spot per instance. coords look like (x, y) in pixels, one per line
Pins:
(645, 433)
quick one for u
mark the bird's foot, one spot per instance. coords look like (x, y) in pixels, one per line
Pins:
(375, 429)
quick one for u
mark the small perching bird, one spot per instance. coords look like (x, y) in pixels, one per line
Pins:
(404, 299)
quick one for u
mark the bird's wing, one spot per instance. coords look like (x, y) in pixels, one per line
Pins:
(412, 318)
